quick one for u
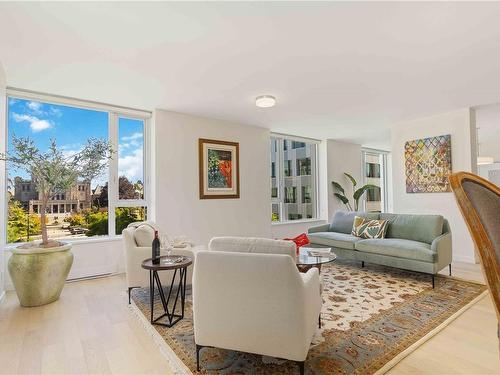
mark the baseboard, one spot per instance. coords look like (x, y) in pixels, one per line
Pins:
(9, 287)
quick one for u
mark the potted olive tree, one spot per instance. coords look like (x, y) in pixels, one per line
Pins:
(39, 269)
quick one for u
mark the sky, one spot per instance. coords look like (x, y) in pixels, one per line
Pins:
(71, 127)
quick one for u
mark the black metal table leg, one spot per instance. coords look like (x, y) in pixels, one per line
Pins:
(151, 293)
(171, 316)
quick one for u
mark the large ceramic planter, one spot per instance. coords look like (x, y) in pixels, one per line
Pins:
(38, 273)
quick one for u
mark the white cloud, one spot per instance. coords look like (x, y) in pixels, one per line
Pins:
(131, 166)
(55, 111)
(34, 106)
(39, 125)
(36, 124)
(69, 153)
(131, 141)
(132, 137)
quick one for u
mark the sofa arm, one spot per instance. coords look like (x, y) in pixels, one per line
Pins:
(319, 228)
(442, 245)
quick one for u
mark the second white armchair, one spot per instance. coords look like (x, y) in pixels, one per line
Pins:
(249, 296)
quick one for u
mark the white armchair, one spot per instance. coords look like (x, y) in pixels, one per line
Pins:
(137, 240)
(249, 296)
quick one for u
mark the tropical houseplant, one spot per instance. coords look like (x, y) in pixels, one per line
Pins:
(340, 192)
(39, 269)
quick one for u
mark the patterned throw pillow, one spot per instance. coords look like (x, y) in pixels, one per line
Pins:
(366, 228)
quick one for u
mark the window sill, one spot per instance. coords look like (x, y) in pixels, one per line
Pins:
(303, 221)
(10, 247)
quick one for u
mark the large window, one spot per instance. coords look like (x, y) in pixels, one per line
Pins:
(375, 173)
(99, 207)
(293, 179)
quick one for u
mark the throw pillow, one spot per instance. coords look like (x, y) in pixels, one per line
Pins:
(366, 228)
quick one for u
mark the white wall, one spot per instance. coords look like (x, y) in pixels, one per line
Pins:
(335, 158)
(3, 193)
(179, 209)
(484, 171)
(488, 125)
(460, 124)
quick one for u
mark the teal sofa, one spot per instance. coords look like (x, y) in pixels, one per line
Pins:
(419, 243)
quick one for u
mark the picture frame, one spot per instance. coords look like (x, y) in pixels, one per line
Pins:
(219, 169)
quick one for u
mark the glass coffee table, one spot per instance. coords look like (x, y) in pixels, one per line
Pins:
(307, 258)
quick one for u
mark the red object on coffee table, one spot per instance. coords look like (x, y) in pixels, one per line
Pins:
(300, 240)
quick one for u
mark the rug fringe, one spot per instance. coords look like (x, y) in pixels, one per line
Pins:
(393, 362)
(176, 364)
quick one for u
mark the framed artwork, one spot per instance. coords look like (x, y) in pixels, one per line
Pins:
(219, 169)
(428, 164)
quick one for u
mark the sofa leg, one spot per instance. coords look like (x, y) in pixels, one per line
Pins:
(362, 264)
(301, 367)
(130, 290)
(449, 267)
(198, 348)
(319, 320)
(433, 281)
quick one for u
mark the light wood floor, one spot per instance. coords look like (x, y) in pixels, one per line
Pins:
(91, 331)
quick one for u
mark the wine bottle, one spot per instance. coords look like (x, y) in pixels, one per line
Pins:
(155, 247)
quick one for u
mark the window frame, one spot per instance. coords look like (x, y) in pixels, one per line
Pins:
(114, 113)
(384, 195)
(280, 177)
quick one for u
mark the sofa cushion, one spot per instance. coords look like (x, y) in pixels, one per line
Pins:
(144, 235)
(399, 248)
(422, 228)
(342, 240)
(342, 220)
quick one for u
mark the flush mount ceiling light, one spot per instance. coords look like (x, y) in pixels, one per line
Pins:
(265, 101)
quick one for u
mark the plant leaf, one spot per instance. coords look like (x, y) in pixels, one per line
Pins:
(358, 193)
(337, 186)
(343, 198)
(353, 181)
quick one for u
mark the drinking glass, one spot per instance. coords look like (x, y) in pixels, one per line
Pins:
(166, 243)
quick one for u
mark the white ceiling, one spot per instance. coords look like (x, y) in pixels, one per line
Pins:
(339, 70)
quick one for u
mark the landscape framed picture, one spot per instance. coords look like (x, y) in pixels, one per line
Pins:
(219, 164)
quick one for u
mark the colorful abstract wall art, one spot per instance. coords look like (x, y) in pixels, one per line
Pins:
(219, 169)
(428, 164)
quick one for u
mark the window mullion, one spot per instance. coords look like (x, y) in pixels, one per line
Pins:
(113, 173)
(280, 174)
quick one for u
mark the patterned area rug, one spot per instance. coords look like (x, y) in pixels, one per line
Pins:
(370, 317)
